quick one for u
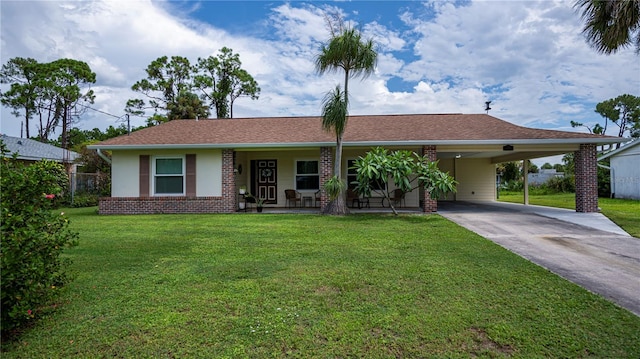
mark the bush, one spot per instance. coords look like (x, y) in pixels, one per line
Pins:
(33, 239)
(564, 184)
(83, 199)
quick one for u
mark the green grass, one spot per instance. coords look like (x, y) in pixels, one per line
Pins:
(624, 212)
(309, 286)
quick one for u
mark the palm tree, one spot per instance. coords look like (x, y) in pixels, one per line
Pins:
(611, 24)
(346, 51)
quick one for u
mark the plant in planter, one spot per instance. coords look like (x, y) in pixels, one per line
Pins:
(259, 204)
(257, 200)
(242, 189)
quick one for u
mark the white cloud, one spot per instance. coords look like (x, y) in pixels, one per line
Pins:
(528, 57)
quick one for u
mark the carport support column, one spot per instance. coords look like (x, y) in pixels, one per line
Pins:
(525, 180)
(586, 171)
(429, 205)
(228, 182)
(326, 170)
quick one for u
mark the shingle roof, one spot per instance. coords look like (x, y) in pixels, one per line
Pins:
(31, 150)
(376, 129)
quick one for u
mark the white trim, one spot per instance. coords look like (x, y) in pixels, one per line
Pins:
(623, 148)
(153, 175)
(311, 145)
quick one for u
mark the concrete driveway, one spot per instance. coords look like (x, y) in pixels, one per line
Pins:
(585, 248)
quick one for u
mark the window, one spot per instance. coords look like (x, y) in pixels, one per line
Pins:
(168, 176)
(307, 175)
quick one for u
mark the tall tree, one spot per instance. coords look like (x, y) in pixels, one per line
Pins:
(222, 81)
(168, 88)
(54, 91)
(68, 79)
(345, 51)
(611, 25)
(21, 74)
(622, 111)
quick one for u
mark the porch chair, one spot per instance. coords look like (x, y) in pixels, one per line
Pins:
(317, 197)
(397, 197)
(354, 198)
(292, 196)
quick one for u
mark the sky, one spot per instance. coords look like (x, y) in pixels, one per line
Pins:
(529, 58)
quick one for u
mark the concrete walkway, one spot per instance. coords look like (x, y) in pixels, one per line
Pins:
(585, 248)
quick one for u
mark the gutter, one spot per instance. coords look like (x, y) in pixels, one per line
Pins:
(273, 145)
(103, 156)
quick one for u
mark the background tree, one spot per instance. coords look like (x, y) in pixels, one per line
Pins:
(55, 92)
(623, 111)
(611, 25)
(407, 170)
(168, 89)
(67, 78)
(21, 74)
(222, 81)
(345, 51)
(546, 166)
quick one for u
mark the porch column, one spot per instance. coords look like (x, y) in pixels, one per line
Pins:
(525, 180)
(326, 171)
(228, 182)
(586, 171)
(429, 204)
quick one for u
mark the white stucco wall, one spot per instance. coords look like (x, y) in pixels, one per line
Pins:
(125, 167)
(476, 179)
(125, 170)
(626, 173)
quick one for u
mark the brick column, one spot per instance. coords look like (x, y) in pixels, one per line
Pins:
(326, 171)
(429, 205)
(586, 171)
(228, 182)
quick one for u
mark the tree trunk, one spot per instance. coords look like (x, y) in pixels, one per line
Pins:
(338, 207)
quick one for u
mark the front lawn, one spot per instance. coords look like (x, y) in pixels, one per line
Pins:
(624, 212)
(305, 286)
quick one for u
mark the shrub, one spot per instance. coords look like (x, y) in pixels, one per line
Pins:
(564, 184)
(84, 199)
(33, 239)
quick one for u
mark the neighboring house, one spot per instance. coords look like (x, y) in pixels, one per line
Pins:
(543, 176)
(31, 150)
(191, 166)
(624, 163)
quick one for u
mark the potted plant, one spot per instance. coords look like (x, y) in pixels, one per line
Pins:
(257, 200)
(259, 204)
(242, 189)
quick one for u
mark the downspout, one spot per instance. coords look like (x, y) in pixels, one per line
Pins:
(103, 156)
(613, 180)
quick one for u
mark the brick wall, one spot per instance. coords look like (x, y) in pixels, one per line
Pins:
(228, 182)
(326, 171)
(430, 205)
(586, 171)
(151, 205)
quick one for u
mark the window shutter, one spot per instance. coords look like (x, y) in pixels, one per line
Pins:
(144, 175)
(191, 175)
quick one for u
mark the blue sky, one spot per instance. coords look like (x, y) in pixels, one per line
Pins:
(528, 57)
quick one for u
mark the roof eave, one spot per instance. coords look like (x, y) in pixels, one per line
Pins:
(547, 141)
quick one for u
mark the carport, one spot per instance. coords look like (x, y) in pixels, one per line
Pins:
(585, 248)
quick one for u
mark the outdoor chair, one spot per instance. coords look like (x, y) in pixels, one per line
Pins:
(354, 198)
(397, 197)
(292, 196)
(317, 197)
